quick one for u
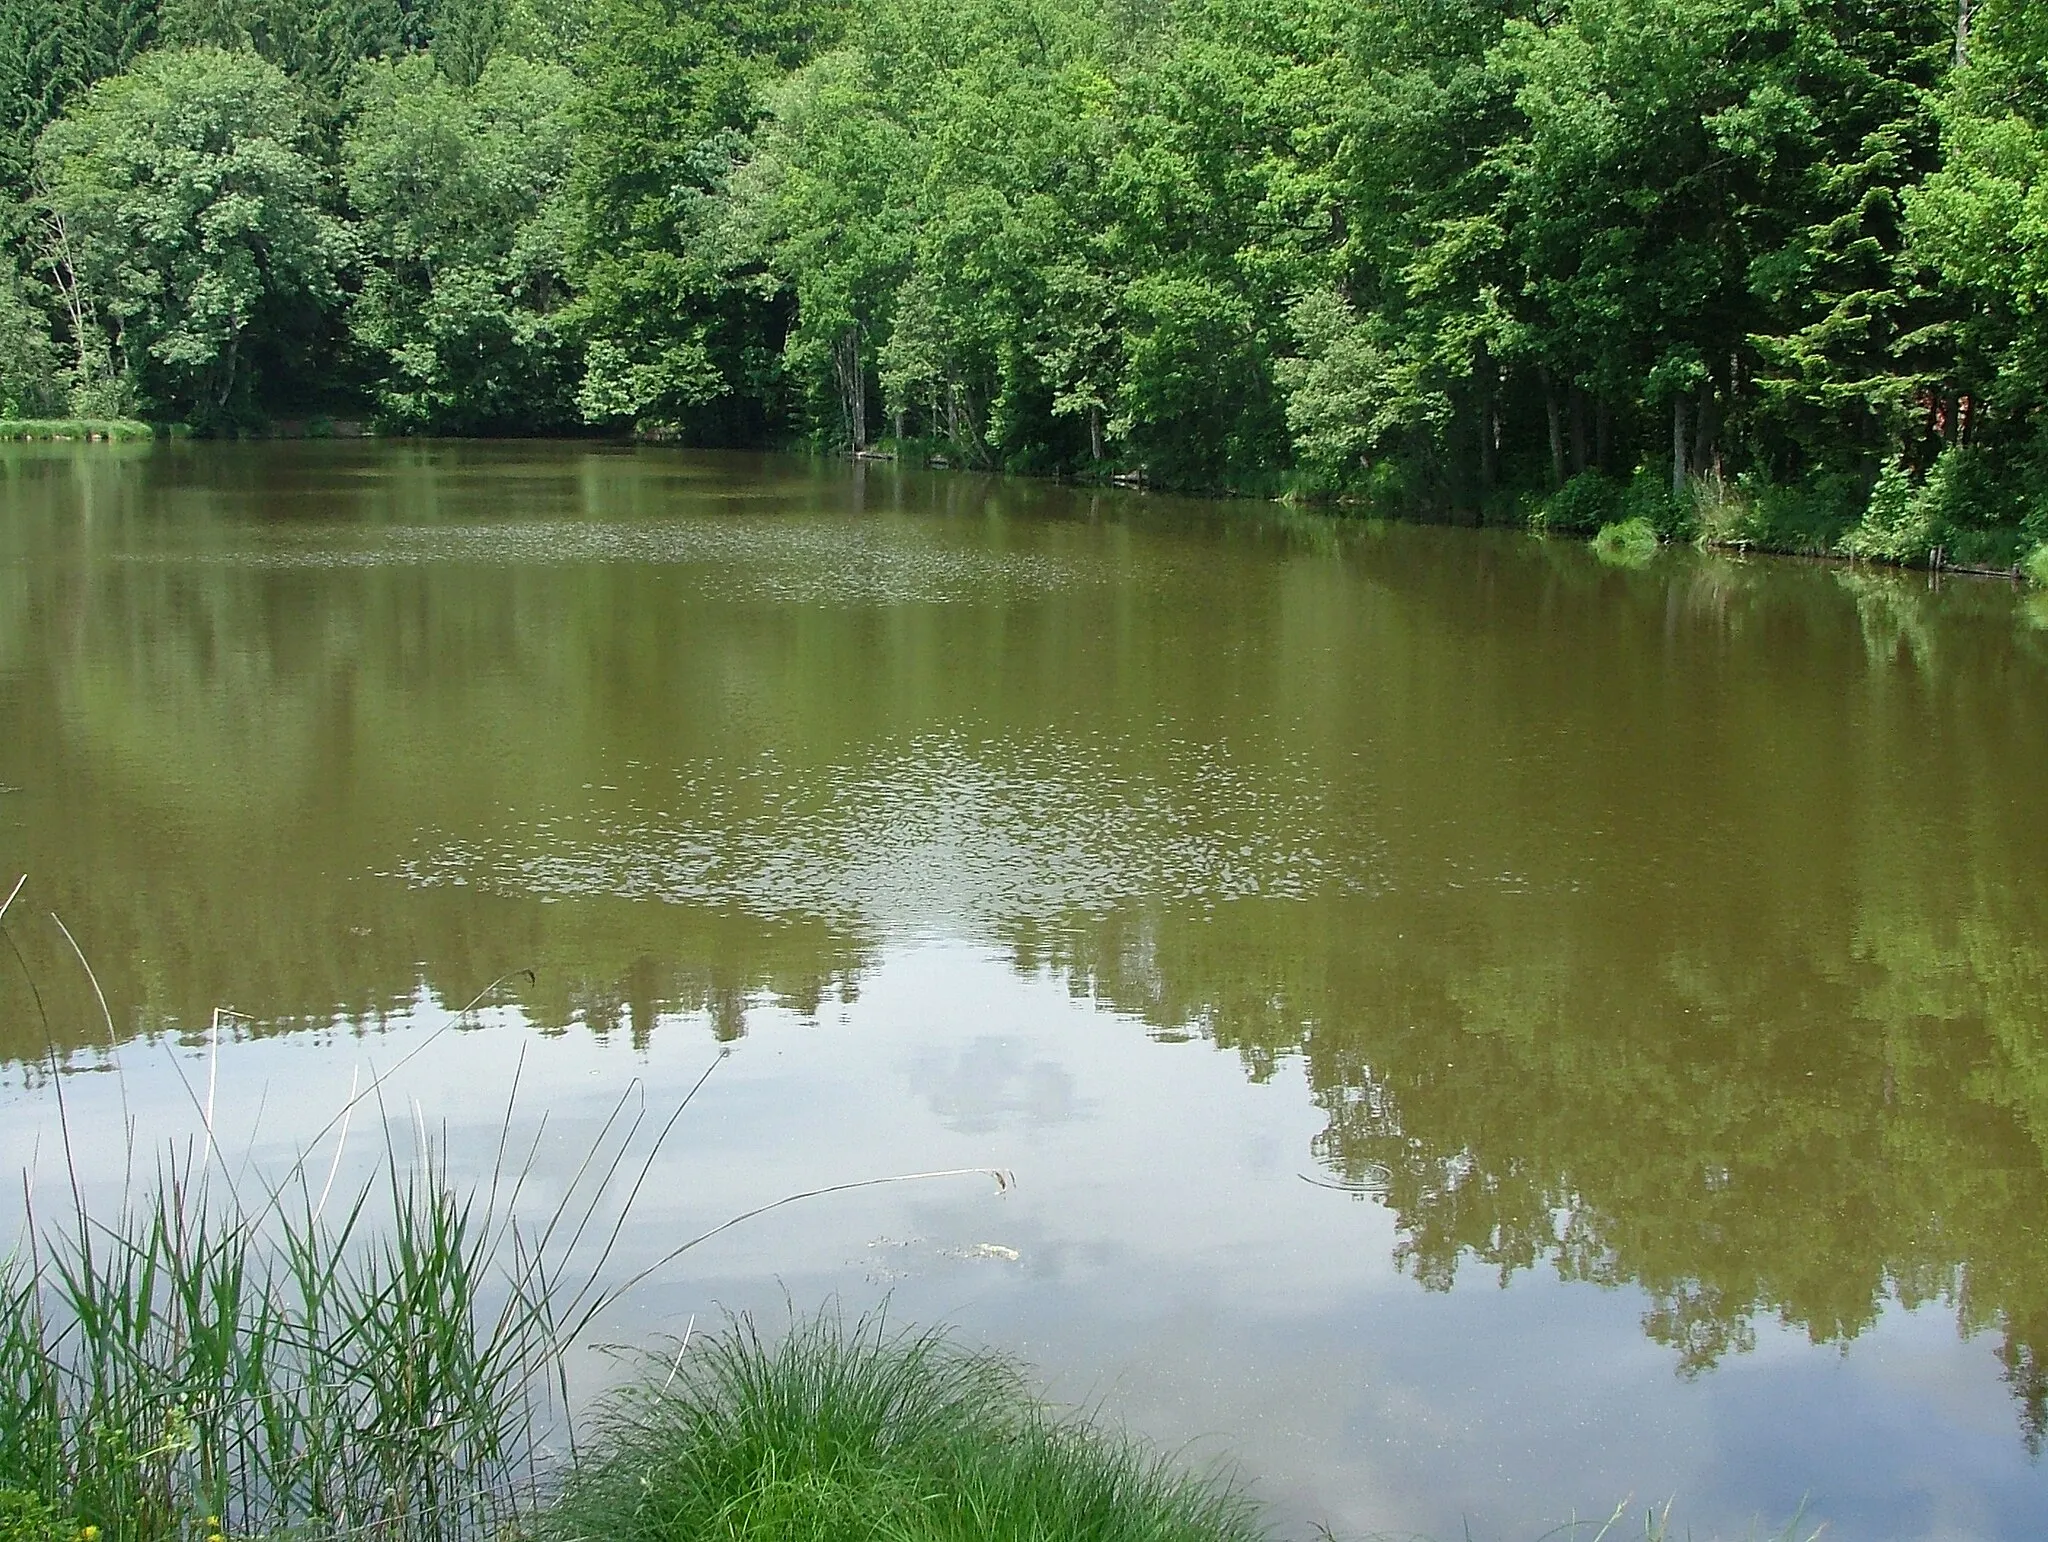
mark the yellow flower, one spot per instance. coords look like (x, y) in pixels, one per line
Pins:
(89, 1534)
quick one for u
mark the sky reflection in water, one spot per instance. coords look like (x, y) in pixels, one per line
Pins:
(1654, 957)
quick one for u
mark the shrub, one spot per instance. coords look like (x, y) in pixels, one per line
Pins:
(1897, 524)
(2037, 565)
(1580, 507)
(116, 429)
(1648, 499)
(1808, 517)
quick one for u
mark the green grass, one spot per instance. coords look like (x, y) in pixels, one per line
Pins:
(113, 429)
(837, 1433)
(1626, 543)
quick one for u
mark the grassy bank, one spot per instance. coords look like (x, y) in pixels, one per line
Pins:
(365, 1366)
(114, 430)
(843, 1432)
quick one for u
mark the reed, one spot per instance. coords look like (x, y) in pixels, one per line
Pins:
(185, 1369)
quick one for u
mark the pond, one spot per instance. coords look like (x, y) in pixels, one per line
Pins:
(1477, 1034)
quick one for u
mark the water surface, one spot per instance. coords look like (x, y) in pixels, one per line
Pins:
(1478, 1034)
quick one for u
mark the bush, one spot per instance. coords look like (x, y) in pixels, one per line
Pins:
(1809, 517)
(843, 1433)
(1584, 504)
(2037, 565)
(1648, 501)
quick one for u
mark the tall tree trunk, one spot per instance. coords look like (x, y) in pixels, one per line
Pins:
(227, 374)
(1678, 445)
(1551, 411)
(1579, 459)
(78, 307)
(1964, 11)
(1603, 435)
(1489, 421)
(1095, 447)
(853, 394)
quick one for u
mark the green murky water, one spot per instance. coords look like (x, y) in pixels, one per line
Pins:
(1478, 1034)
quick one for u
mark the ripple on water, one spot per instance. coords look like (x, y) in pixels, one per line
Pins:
(935, 836)
(763, 559)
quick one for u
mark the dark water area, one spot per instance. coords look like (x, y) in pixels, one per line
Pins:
(1479, 1034)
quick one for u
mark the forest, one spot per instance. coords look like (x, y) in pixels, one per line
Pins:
(1769, 273)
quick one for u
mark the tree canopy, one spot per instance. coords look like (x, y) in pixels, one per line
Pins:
(1765, 270)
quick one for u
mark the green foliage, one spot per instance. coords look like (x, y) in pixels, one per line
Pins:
(1226, 244)
(1649, 501)
(1898, 525)
(192, 224)
(1583, 505)
(1809, 517)
(1981, 219)
(1343, 393)
(31, 383)
(316, 42)
(2037, 565)
(50, 51)
(463, 235)
(26, 1518)
(684, 326)
(838, 1433)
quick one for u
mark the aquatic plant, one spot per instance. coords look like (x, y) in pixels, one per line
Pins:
(1626, 543)
(848, 1430)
